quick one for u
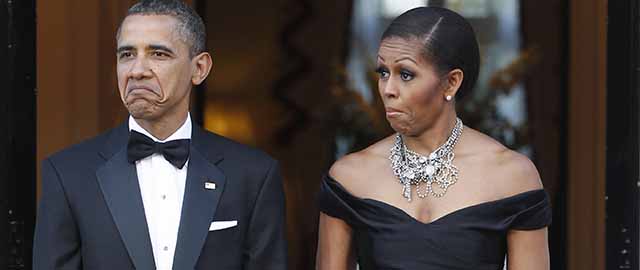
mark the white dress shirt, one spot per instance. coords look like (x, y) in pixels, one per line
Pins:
(162, 189)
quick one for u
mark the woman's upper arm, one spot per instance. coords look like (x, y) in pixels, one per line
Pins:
(335, 250)
(528, 250)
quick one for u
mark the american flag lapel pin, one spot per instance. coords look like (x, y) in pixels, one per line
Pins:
(210, 185)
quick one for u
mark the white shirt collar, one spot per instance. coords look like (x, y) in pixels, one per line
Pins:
(184, 132)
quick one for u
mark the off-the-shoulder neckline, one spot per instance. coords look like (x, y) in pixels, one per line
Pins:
(443, 217)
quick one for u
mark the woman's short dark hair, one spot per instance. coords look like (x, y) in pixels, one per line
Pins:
(449, 41)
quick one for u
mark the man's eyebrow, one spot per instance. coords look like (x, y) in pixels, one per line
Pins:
(124, 48)
(161, 48)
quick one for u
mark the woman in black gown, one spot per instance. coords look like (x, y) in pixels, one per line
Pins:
(438, 194)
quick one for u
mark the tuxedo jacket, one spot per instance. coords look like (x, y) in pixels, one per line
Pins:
(91, 214)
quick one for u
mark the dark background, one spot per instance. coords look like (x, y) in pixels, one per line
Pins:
(17, 132)
(623, 178)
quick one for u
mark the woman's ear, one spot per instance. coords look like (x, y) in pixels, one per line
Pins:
(202, 64)
(453, 83)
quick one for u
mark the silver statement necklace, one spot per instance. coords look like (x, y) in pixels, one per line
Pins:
(412, 168)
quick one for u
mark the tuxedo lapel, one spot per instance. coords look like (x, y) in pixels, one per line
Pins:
(199, 205)
(118, 181)
(119, 184)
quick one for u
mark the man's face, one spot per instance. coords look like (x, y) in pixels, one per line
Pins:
(155, 70)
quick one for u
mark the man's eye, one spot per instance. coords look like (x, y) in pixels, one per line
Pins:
(125, 55)
(160, 54)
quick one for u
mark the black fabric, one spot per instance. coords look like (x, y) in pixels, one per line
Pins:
(141, 146)
(91, 214)
(473, 237)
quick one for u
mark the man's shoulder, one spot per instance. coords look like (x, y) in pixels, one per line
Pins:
(231, 149)
(86, 149)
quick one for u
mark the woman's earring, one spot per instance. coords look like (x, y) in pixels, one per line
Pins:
(448, 98)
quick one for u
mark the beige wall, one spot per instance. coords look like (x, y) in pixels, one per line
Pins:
(67, 68)
(74, 52)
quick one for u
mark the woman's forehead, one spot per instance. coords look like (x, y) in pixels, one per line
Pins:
(395, 49)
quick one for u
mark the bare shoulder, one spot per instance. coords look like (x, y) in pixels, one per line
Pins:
(519, 174)
(507, 171)
(355, 171)
(346, 168)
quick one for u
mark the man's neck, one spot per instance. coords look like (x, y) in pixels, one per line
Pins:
(163, 127)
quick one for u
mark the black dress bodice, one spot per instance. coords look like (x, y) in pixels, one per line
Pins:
(473, 237)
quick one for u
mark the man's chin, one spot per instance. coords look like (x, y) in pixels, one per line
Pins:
(141, 111)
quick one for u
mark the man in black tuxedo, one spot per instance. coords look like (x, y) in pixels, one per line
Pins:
(158, 192)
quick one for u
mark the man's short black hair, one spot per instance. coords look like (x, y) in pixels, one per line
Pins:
(190, 26)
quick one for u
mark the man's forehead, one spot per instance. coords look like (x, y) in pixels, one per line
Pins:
(145, 19)
(149, 26)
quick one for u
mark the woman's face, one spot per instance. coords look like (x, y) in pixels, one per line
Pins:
(411, 89)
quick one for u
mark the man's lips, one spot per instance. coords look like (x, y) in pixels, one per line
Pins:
(141, 89)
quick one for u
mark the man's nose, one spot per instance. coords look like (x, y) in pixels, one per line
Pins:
(140, 69)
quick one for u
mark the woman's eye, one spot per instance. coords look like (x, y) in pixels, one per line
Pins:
(406, 76)
(382, 72)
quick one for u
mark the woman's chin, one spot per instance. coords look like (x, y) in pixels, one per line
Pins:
(402, 129)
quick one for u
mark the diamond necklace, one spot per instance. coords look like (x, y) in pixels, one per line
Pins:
(437, 168)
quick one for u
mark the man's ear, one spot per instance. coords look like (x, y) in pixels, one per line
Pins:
(202, 64)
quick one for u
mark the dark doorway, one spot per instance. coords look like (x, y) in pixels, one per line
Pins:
(623, 178)
(17, 133)
(546, 37)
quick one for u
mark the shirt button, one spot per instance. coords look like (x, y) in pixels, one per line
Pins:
(166, 248)
(164, 197)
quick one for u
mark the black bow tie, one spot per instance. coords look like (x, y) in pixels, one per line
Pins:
(140, 146)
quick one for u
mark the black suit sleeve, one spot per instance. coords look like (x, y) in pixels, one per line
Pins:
(266, 240)
(56, 241)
